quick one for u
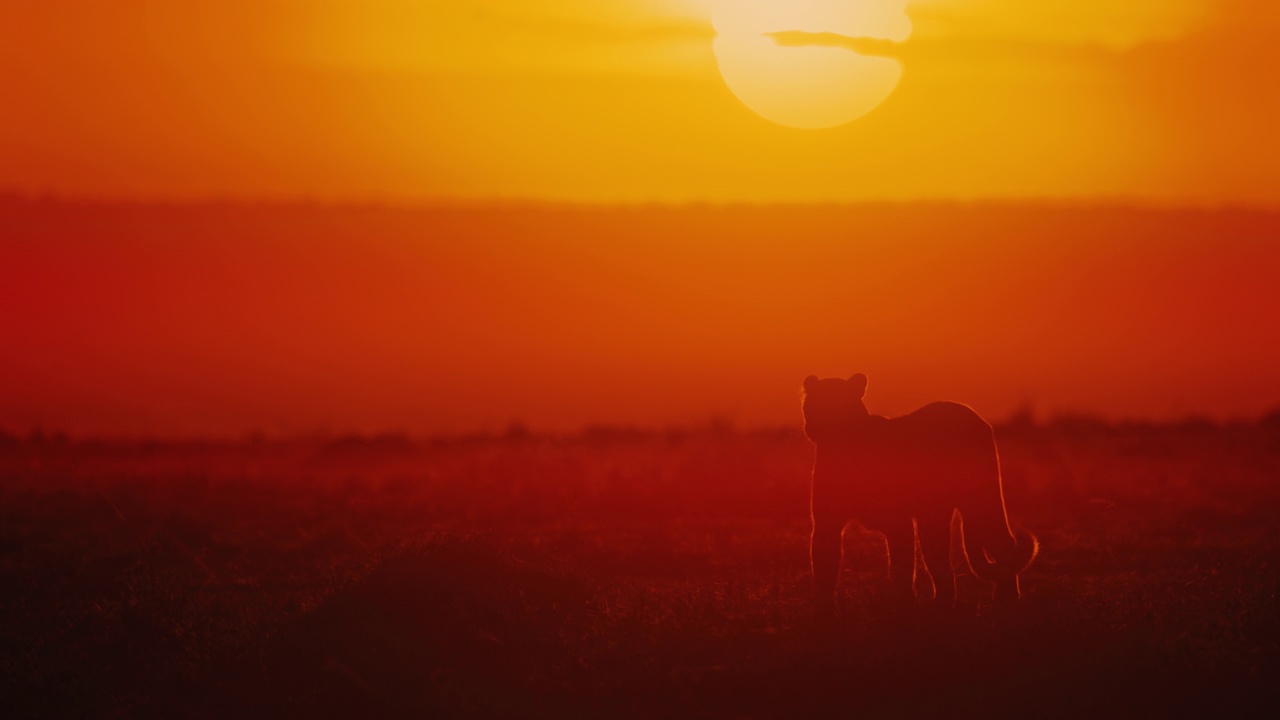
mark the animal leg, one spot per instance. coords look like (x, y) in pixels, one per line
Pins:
(935, 547)
(901, 539)
(824, 553)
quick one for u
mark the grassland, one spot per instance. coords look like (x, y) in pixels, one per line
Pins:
(619, 574)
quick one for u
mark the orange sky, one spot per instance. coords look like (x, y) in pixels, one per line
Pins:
(262, 292)
(286, 319)
(622, 100)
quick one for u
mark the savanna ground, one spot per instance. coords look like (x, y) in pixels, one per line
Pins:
(620, 574)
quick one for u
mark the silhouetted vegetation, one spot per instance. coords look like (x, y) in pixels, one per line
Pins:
(619, 573)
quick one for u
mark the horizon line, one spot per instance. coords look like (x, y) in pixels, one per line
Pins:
(1015, 420)
(406, 202)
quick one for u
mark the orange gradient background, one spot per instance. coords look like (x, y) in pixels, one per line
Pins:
(621, 100)
(329, 215)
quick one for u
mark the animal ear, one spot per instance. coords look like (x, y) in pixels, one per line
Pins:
(859, 383)
(810, 383)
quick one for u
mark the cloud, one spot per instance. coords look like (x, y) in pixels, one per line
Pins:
(455, 39)
(1112, 24)
(860, 45)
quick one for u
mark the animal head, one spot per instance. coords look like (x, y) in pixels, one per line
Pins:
(833, 406)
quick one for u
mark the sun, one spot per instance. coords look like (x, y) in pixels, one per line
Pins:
(810, 63)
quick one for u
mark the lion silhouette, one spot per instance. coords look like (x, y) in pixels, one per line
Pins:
(919, 469)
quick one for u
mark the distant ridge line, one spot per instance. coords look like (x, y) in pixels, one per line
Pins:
(16, 198)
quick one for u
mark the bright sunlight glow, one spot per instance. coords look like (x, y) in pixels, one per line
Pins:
(810, 63)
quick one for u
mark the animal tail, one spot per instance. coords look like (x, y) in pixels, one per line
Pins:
(996, 552)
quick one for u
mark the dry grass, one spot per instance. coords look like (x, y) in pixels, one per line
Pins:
(619, 574)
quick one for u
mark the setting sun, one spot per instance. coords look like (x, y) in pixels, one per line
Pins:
(807, 64)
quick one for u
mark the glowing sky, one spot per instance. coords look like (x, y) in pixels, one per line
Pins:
(279, 301)
(622, 100)
(126, 319)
